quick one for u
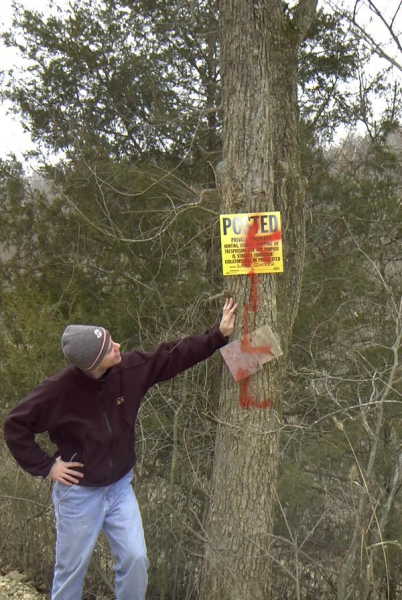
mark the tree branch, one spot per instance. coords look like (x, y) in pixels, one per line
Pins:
(396, 484)
(389, 26)
(303, 16)
(367, 37)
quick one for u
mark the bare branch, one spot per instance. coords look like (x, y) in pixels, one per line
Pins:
(389, 26)
(376, 47)
(367, 37)
(395, 15)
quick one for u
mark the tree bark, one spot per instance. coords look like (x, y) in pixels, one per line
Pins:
(262, 172)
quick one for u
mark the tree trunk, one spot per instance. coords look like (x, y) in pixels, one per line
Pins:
(261, 173)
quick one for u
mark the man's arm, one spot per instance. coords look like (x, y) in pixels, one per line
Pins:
(37, 414)
(172, 358)
(28, 418)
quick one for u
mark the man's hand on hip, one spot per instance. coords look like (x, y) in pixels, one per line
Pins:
(64, 472)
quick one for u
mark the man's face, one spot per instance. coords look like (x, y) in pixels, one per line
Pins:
(112, 356)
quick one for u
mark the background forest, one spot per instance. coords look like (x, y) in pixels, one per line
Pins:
(122, 230)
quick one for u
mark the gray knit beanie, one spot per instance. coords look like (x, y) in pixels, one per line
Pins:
(85, 345)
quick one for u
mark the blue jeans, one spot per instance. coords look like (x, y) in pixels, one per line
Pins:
(81, 514)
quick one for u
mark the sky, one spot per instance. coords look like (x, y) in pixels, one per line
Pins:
(14, 139)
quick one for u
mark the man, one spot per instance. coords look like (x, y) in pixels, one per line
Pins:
(89, 411)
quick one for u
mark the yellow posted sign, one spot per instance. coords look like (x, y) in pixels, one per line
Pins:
(251, 242)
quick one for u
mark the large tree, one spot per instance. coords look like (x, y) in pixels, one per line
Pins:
(262, 171)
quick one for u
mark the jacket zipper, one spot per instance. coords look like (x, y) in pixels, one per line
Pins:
(109, 428)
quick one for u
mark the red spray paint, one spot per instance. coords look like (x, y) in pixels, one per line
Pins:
(261, 245)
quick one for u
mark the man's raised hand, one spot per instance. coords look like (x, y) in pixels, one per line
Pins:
(226, 325)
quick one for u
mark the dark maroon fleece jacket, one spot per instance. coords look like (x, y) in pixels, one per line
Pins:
(92, 420)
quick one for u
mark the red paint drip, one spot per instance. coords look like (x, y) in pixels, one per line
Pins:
(258, 244)
(252, 306)
(246, 399)
(253, 291)
(245, 343)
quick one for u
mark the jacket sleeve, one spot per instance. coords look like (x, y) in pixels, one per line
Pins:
(172, 358)
(31, 416)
